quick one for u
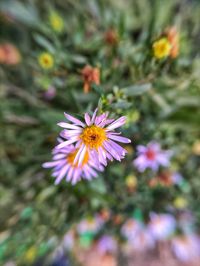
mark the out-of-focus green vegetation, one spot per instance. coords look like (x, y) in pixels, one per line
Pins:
(161, 99)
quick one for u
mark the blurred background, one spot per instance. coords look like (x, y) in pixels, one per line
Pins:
(133, 58)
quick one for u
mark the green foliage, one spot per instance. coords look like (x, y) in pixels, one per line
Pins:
(160, 99)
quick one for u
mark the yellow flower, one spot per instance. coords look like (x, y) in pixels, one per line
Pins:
(196, 148)
(46, 60)
(56, 22)
(161, 48)
(30, 254)
(131, 182)
(180, 203)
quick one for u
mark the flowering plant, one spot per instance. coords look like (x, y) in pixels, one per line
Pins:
(127, 80)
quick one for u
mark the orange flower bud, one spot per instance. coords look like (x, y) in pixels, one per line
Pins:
(9, 54)
(165, 179)
(118, 219)
(111, 37)
(173, 37)
(153, 182)
(90, 75)
(105, 214)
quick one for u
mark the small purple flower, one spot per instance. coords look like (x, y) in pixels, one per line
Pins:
(69, 240)
(143, 240)
(107, 244)
(151, 156)
(130, 228)
(186, 248)
(63, 165)
(177, 178)
(50, 93)
(95, 136)
(161, 226)
(90, 225)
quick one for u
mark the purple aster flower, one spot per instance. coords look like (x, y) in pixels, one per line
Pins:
(177, 178)
(107, 244)
(95, 136)
(130, 228)
(186, 248)
(69, 240)
(151, 156)
(64, 166)
(50, 93)
(91, 225)
(161, 226)
(143, 240)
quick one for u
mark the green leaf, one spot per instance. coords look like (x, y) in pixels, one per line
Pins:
(121, 105)
(85, 239)
(46, 44)
(135, 90)
(27, 14)
(98, 185)
(98, 89)
(26, 213)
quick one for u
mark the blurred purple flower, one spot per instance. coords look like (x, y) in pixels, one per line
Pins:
(151, 156)
(107, 244)
(186, 248)
(50, 93)
(130, 228)
(90, 225)
(143, 240)
(177, 178)
(69, 240)
(161, 226)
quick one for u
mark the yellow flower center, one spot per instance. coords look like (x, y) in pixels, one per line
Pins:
(161, 48)
(93, 136)
(71, 157)
(46, 60)
(56, 22)
(180, 203)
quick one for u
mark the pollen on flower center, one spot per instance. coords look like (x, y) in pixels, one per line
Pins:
(161, 48)
(93, 136)
(150, 154)
(70, 158)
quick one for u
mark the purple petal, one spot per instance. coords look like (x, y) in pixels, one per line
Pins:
(119, 139)
(162, 159)
(87, 119)
(67, 125)
(90, 171)
(70, 133)
(141, 149)
(100, 118)
(102, 156)
(74, 120)
(118, 123)
(80, 155)
(94, 116)
(70, 174)
(112, 151)
(59, 156)
(62, 174)
(50, 164)
(77, 176)
(65, 143)
(140, 163)
(118, 148)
